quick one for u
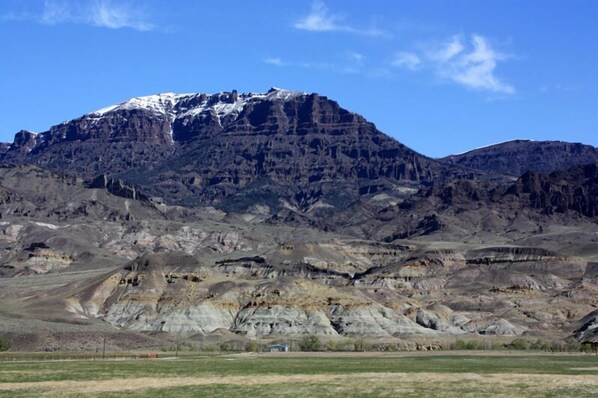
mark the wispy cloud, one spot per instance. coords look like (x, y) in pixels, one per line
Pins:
(474, 68)
(274, 61)
(349, 63)
(321, 20)
(112, 15)
(447, 50)
(558, 88)
(471, 64)
(355, 56)
(406, 60)
(109, 14)
(12, 16)
(279, 62)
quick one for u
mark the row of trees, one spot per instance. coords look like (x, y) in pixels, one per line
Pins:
(569, 345)
(313, 343)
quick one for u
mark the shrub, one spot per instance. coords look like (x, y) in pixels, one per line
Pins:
(4, 344)
(475, 345)
(310, 343)
(556, 346)
(459, 345)
(540, 345)
(251, 346)
(334, 346)
(469, 345)
(391, 347)
(361, 345)
(519, 344)
(588, 347)
(226, 346)
(497, 346)
(572, 345)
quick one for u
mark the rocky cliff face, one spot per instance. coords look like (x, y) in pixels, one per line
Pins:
(517, 157)
(575, 189)
(136, 264)
(312, 289)
(198, 148)
(308, 143)
(301, 218)
(176, 293)
(457, 208)
(99, 142)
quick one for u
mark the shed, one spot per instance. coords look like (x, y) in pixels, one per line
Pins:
(278, 348)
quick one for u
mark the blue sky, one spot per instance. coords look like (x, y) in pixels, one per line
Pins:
(440, 76)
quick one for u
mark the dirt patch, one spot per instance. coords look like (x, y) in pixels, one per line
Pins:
(544, 381)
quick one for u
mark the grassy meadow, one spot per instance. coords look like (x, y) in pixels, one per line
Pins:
(307, 375)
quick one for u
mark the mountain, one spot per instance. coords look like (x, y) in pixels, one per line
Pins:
(485, 211)
(517, 157)
(242, 216)
(81, 260)
(573, 189)
(202, 149)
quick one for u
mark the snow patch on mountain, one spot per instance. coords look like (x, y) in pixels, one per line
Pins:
(159, 103)
(220, 105)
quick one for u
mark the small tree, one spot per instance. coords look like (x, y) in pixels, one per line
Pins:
(4, 344)
(587, 347)
(540, 344)
(310, 343)
(361, 345)
(572, 345)
(459, 345)
(251, 346)
(556, 346)
(519, 344)
(474, 345)
(333, 346)
(226, 346)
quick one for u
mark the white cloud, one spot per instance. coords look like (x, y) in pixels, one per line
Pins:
(406, 60)
(471, 65)
(350, 64)
(274, 61)
(101, 13)
(559, 88)
(447, 50)
(474, 68)
(115, 16)
(56, 12)
(321, 20)
(355, 56)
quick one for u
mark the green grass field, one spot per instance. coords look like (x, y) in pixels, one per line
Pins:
(308, 375)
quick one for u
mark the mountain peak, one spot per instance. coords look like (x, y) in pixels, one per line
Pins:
(157, 103)
(213, 146)
(518, 156)
(179, 104)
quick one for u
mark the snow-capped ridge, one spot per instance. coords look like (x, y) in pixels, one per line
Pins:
(184, 106)
(221, 104)
(160, 103)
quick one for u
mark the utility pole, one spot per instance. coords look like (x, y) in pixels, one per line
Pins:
(104, 348)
